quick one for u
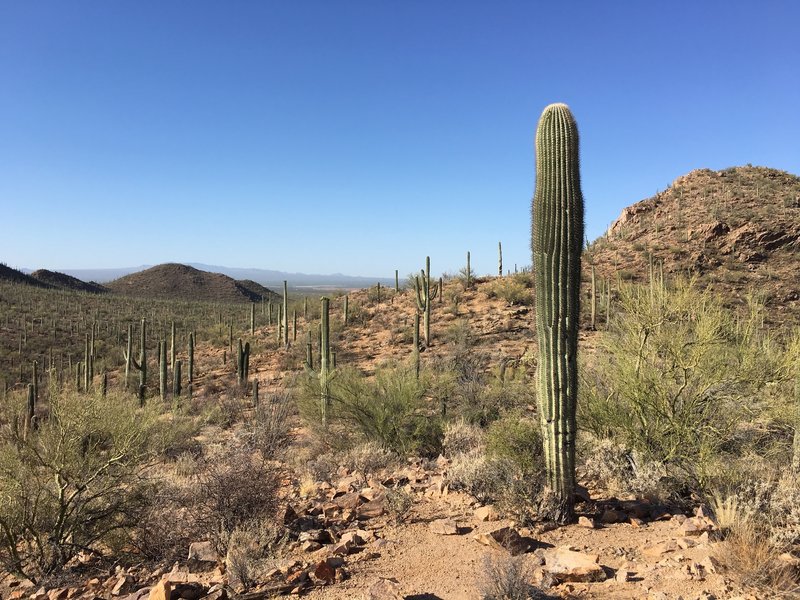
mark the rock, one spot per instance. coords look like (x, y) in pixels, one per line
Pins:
(566, 565)
(636, 522)
(349, 501)
(506, 538)
(586, 522)
(203, 552)
(443, 527)
(160, 591)
(487, 513)
(384, 589)
(371, 509)
(287, 515)
(297, 578)
(622, 576)
(311, 546)
(660, 549)
(141, 594)
(344, 547)
(610, 516)
(696, 526)
(324, 572)
(62, 593)
(122, 585)
(188, 591)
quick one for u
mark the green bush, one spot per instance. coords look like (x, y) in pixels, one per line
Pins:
(517, 439)
(678, 378)
(74, 481)
(389, 408)
(516, 289)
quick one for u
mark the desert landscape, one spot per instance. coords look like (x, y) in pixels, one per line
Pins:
(372, 300)
(424, 480)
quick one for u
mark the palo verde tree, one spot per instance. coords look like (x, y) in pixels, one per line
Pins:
(557, 241)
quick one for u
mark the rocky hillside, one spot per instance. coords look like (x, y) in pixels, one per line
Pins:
(737, 230)
(66, 282)
(15, 276)
(173, 281)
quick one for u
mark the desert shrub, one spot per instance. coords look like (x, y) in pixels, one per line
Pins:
(516, 289)
(676, 377)
(611, 466)
(237, 489)
(505, 577)
(268, 430)
(389, 409)
(518, 440)
(398, 503)
(749, 556)
(251, 551)
(74, 481)
(462, 437)
(485, 479)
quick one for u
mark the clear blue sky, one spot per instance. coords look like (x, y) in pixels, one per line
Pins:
(358, 136)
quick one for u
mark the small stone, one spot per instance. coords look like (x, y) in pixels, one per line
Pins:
(586, 522)
(443, 527)
(384, 589)
(161, 591)
(622, 576)
(370, 510)
(566, 565)
(62, 593)
(324, 572)
(636, 522)
(487, 513)
(506, 538)
(610, 516)
(190, 590)
(349, 501)
(660, 549)
(202, 552)
(311, 546)
(696, 526)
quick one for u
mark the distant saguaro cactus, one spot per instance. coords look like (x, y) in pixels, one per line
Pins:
(557, 242)
(425, 295)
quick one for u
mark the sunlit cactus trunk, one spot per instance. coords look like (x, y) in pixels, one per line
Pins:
(557, 240)
(324, 362)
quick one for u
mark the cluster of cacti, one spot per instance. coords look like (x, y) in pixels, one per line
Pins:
(557, 241)
(425, 295)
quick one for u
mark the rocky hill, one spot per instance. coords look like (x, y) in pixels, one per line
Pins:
(66, 282)
(14, 276)
(174, 281)
(737, 230)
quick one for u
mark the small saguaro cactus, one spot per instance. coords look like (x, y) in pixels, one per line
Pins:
(499, 259)
(346, 309)
(242, 363)
(190, 365)
(324, 362)
(176, 379)
(425, 295)
(416, 344)
(141, 365)
(30, 413)
(162, 370)
(285, 315)
(557, 242)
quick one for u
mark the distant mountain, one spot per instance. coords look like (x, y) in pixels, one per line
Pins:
(15, 276)
(174, 281)
(66, 282)
(265, 277)
(273, 278)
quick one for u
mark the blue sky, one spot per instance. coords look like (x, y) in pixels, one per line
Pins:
(360, 136)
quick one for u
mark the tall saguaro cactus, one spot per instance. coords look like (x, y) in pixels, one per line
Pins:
(324, 361)
(557, 242)
(425, 295)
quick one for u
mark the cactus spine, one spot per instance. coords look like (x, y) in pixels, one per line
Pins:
(425, 295)
(557, 241)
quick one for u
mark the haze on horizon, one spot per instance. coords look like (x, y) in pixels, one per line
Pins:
(359, 137)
